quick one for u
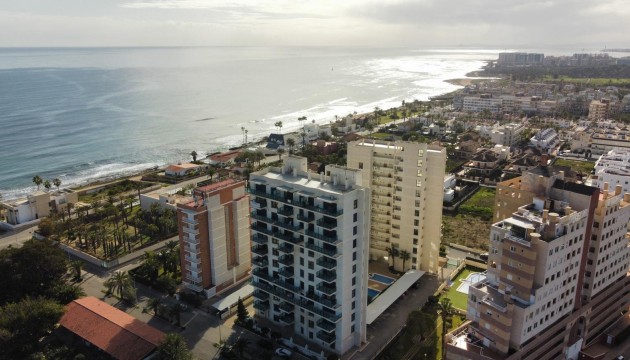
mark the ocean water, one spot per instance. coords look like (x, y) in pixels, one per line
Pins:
(81, 114)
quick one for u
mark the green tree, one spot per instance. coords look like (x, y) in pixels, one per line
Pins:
(65, 293)
(154, 304)
(280, 153)
(393, 253)
(47, 184)
(57, 183)
(278, 124)
(173, 347)
(404, 255)
(445, 310)
(23, 323)
(242, 316)
(120, 284)
(37, 180)
(290, 144)
(194, 155)
(211, 172)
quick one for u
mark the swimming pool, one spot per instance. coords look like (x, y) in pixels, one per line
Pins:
(382, 279)
(372, 293)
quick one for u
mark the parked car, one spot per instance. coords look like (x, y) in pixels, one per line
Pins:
(484, 256)
(286, 353)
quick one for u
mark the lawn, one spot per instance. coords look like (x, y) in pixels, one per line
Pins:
(584, 167)
(459, 299)
(590, 81)
(484, 197)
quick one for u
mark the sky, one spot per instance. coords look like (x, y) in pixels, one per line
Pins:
(374, 23)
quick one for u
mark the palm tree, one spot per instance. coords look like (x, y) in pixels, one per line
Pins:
(120, 284)
(47, 185)
(404, 255)
(194, 155)
(57, 183)
(280, 153)
(173, 347)
(211, 172)
(37, 180)
(445, 310)
(240, 346)
(154, 304)
(278, 124)
(393, 253)
(290, 144)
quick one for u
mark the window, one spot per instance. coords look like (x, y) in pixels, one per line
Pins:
(311, 277)
(354, 268)
(354, 243)
(355, 217)
(355, 230)
(354, 256)
(360, 165)
(311, 265)
(354, 281)
(356, 203)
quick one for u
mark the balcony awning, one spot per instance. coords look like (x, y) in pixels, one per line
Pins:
(387, 297)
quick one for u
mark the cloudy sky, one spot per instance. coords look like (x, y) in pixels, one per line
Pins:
(382, 23)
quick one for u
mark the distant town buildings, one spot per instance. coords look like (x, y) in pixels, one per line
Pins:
(520, 58)
(407, 181)
(214, 237)
(613, 168)
(508, 134)
(310, 245)
(546, 140)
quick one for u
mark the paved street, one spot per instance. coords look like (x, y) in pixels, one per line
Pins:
(16, 238)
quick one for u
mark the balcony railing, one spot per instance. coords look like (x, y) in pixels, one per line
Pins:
(260, 261)
(321, 250)
(260, 249)
(326, 263)
(325, 325)
(286, 271)
(258, 294)
(286, 248)
(332, 304)
(319, 209)
(286, 260)
(287, 306)
(326, 275)
(328, 290)
(259, 239)
(326, 337)
(288, 318)
(327, 224)
(289, 238)
(261, 305)
(334, 240)
(307, 219)
(285, 210)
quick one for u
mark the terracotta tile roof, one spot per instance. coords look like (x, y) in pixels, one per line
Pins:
(179, 167)
(216, 186)
(115, 332)
(226, 156)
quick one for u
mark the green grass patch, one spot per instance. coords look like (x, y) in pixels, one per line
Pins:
(590, 81)
(459, 299)
(580, 166)
(383, 136)
(484, 197)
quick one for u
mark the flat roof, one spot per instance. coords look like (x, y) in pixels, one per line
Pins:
(387, 297)
(302, 184)
(232, 299)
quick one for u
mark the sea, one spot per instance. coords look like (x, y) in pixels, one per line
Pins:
(86, 114)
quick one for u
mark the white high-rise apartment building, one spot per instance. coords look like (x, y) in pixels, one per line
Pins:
(310, 236)
(613, 169)
(406, 180)
(557, 274)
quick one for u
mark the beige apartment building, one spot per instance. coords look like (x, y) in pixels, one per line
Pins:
(214, 236)
(406, 180)
(557, 274)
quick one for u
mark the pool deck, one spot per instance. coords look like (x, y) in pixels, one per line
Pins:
(380, 268)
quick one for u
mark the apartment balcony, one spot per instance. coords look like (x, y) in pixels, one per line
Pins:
(380, 220)
(259, 239)
(326, 275)
(384, 157)
(262, 272)
(190, 230)
(333, 240)
(258, 294)
(322, 210)
(287, 318)
(261, 227)
(287, 307)
(332, 304)
(289, 238)
(260, 250)
(328, 252)
(309, 306)
(326, 263)
(260, 261)
(380, 237)
(188, 221)
(192, 248)
(325, 325)
(286, 248)
(263, 218)
(381, 195)
(381, 211)
(328, 290)
(286, 260)
(193, 259)
(307, 219)
(327, 223)
(274, 291)
(261, 305)
(285, 210)
(381, 202)
(328, 338)
(286, 271)
(193, 240)
(382, 165)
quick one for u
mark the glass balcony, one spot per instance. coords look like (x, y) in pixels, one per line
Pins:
(274, 291)
(258, 294)
(321, 250)
(260, 261)
(328, 338)
(286, 271)
(329, 303)
(287, 306)
(325, 325)
(286, 247)
(260, 249)
(326, 263)
(261, 305)
(319, 209)
(259, 239)
(334, 240)
(287, 318)
(328, 290)
(285, 210)
(286, 260)
(289, 238)
(327, 223)
(307, 219)
(326, 275)
(261, 272)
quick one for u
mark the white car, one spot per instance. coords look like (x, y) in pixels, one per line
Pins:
(283, 352)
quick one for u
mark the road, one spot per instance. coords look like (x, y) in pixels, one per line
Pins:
(16, 238)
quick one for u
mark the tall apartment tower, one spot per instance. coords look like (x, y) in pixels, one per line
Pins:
(310, 236)
(557, 274)
(214, 236)
(407, 184)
